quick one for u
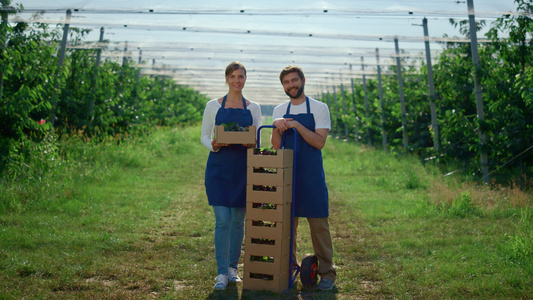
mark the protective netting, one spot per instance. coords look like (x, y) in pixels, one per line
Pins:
(193, 41)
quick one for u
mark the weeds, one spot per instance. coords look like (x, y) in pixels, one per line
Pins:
(462, 206)
(520, 246)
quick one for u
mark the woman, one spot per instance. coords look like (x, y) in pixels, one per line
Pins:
(225, 173)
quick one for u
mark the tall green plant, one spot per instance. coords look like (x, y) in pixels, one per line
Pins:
(509, 87)
(114, 100)
(26, 91)
(457, 112)
(507, 78)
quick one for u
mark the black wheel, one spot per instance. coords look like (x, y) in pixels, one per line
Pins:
(309, 271)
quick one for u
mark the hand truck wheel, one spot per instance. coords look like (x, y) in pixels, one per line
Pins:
(309, 271)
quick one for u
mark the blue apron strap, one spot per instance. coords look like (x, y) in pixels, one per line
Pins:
(224, 101)
(244, 103)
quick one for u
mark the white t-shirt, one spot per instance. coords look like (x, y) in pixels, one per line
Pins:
(210, 113)
(319, 110)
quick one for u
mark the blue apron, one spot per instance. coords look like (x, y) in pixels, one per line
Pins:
(311, 192)
(225, 173)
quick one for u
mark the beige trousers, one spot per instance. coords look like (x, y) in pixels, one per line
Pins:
(322, 245)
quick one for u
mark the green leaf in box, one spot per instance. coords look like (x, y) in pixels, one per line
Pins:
(281, 158)
(235, 137)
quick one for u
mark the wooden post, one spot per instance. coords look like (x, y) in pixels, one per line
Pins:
(125, 56)
(479, 96)
(367, 109)
(5, 11)
(66, 27)
(434, 123)
(382, 103)
(356, 127)
(90, 110)
(345, 112)
(337, 125)
(402, 96)
(331, 114)
(137, 78)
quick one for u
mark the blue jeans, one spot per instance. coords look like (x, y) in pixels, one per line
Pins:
(229, 233)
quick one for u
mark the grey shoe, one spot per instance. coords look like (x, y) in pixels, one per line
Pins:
(222, 282)
(326, 284)
(233, 275)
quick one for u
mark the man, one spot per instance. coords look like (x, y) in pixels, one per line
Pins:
(311, 120)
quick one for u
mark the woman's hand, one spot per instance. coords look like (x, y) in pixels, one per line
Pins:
(216, 146)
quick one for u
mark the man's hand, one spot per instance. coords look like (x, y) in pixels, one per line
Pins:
(315, 138)
(283, 124)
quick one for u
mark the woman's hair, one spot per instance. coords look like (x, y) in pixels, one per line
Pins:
(235, 66)
(290, 69)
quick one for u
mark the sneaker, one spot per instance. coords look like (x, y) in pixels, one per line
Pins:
(222, 282)
(326, 284)
(233, 275)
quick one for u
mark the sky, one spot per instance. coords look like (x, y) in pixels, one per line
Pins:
(193, 41)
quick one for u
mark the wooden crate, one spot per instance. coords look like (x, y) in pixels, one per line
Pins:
(283, 159)
(269, 176)
(273, 276)
(272, 230)
(281, 213)
(280, 194)
(265, 242)
(235, 137)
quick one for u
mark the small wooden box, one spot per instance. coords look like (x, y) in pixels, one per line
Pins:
(269, 176)
(281, 213)
(235, 137)
(283, 159)
(276, 244)
(268, 229)
(273, 276)
(282, 194)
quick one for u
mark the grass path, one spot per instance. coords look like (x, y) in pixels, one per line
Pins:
(146, 232)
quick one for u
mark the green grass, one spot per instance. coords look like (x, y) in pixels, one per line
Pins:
(130, 220)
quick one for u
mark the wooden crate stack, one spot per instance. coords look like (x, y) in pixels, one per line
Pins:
(268, 220)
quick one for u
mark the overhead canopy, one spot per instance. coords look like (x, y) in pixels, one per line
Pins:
(193, 41)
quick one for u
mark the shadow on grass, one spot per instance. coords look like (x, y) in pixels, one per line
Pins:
(318, 294)
(232, 293)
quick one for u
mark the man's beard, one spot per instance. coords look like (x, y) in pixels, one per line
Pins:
(300, 92)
